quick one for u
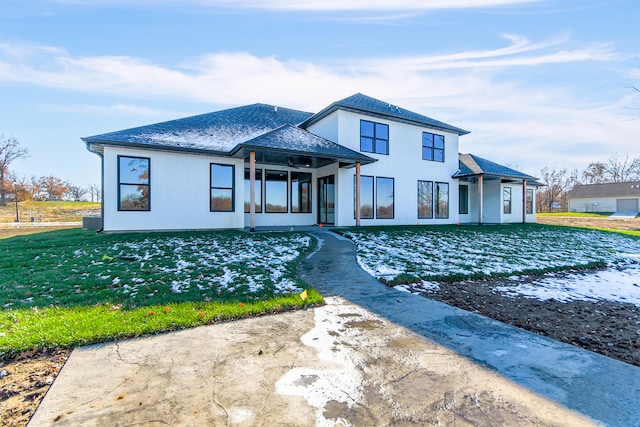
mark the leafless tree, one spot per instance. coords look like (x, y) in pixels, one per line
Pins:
(76, 192)
(594, 174)
(622, 168)
(10, 150)
(557, 182)
(94, 190)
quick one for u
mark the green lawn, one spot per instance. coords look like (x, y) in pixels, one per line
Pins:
(450, 253)
(74, 287)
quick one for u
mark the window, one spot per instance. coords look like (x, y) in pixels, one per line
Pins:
(432, 147)
(384, 198)
(529, 198)
(506, 200)
(301, 192)
(463, 203)
(133, 183)
(222, 179)
(425, 199)
(374, 137)
(275, 191)
(366, 197)
(442, 200)
(247, 190)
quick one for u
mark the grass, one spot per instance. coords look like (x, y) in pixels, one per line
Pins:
(59, 211)
(400, 255)
(575, 214)
(74, 287)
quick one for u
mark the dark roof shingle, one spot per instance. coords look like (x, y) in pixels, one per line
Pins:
(614, 189)
(367, 105)
(470, 165)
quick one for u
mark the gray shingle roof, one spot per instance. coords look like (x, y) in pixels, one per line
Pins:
(364, 104)
(219, 131)
(470, 165)
(616, 189)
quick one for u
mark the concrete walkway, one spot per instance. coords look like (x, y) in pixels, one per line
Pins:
(599, 387)
(370, 356)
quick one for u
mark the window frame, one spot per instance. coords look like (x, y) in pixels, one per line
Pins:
(430, 209)
(373, 197)
(436, 205)
(463, 208)
(147, 185)
(393, 197)
(374, 138)
(266, 193)
(507, 202)
(232, 188)
(429, 144)
(529, 201)
(300, 198)
(247, 203)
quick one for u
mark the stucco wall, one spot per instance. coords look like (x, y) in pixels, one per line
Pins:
(179, 193)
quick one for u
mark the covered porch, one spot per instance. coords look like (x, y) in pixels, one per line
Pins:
(490, 193)
(291, 177)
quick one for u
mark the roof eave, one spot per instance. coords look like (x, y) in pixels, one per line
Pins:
(154, 147)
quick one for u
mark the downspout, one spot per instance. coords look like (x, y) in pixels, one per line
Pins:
(101, 155)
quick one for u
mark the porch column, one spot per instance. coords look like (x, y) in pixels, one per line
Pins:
(252, 190)
(357, 194)
(524, 201)
(480, 196)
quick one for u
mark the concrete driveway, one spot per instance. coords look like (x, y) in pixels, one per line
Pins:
(335, 365)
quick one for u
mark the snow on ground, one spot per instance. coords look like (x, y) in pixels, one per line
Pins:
(431, 254)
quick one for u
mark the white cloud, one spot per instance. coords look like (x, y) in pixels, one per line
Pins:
(511, 121)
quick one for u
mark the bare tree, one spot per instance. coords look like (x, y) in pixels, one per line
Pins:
(622, 168)
(76, 192)
(10, 150)
(94, 190)
(594, 173)
(557, 182)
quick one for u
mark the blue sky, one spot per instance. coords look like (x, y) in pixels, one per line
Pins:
(538, 83)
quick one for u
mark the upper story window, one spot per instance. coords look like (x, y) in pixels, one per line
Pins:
(432, 147)
(374, 137)
(133, 183)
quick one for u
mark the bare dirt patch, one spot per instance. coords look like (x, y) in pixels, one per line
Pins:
(7, 231)
(25, 381)
(616, 224)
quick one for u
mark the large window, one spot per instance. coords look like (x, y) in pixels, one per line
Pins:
(301, 192)
(432, 147)
(275, 191)
(384, 198)
(506, 200)
(463, 196)
(133, 183)
(247, 190)
(425, 199)
(529, 197)
(374, 137)
(222, 188)
(366, 196)
(442, 200)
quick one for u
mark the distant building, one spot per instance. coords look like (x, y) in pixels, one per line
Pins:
(619, 197)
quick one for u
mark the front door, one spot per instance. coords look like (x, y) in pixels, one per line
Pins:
(326, 200)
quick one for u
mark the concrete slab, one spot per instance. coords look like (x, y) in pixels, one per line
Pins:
(335, 365)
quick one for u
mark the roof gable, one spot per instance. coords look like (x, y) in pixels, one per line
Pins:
(219, 131)
(470, 165)
(364, 104)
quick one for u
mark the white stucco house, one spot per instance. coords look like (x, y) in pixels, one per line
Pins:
(359, 161)
(616, 197)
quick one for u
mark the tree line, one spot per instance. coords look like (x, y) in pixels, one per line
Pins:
(558, 182)
(35, 188)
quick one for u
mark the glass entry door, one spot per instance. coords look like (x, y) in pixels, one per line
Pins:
(326, 200)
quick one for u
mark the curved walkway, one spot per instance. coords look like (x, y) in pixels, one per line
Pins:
(599, 387)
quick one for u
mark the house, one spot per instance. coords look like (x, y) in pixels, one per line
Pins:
(619, 197)
(263, 165)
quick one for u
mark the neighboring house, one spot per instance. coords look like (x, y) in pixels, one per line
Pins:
(262, 165)
(620, 197)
